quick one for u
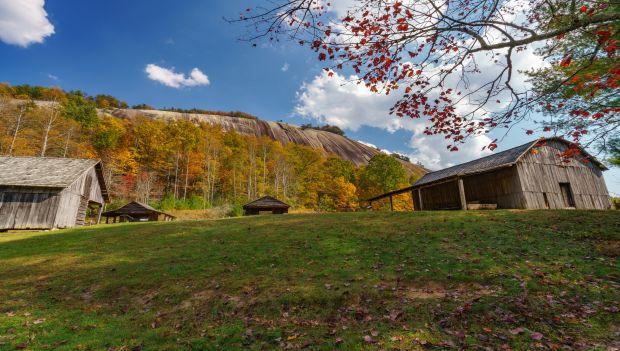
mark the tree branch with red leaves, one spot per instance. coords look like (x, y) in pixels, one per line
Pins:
(452, 62)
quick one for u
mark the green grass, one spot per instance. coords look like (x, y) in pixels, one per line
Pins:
(429, 280)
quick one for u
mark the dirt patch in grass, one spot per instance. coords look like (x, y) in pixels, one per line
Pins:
(610, 248)
(436, 290)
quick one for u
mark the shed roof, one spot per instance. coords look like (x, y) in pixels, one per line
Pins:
(266, 202)
(47, 172)
(134, 207)
(498, 160)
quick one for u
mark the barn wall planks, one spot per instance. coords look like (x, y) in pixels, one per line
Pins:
(501, 187)
(28, 208)
(442, 196)
(542, 171)
(73, 195)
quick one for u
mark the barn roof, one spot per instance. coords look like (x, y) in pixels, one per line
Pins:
(266, 202)
(134, 208)
(47, 172)
(498, 160)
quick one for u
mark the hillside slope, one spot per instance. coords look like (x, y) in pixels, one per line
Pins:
(343, 147)
(517, 280)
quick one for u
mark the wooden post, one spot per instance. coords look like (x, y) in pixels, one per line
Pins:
(370, 204)
(462, 194)
(99, 214)
(391, 204)
(420, 199)
(412, 201)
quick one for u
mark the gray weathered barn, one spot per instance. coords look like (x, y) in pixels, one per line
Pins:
(531, 176)
(48, 192)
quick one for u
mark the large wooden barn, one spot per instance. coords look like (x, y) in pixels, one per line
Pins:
(531, 176)
(47, 192)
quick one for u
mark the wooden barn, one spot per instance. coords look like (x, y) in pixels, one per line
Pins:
(265, 204)
(136, 212)
(48, 192)
(531, 176)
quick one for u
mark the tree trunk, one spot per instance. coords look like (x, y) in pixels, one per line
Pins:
(22, 110)
(186, 178)
(176, 176)
(64, 154)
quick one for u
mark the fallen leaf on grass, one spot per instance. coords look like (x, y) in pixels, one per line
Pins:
(368, 339)
(517, 331)
(536, 336)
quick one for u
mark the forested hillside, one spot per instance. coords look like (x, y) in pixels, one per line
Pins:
(186, 163)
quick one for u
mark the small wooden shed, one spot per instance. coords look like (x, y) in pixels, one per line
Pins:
(49, 192)
(530, 176)
(266, 204)
(136, 212)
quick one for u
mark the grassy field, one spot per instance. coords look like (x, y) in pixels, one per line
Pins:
(425, 281)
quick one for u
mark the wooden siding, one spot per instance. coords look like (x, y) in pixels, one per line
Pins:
(28, 208)
(439, 196)
(71, 197)
(541, 172)
(501, 187)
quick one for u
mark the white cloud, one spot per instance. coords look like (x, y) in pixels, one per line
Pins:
(285, 67)
(338, 100)
(52, 77)
(168, 77)
(24, 22)
(341, 7)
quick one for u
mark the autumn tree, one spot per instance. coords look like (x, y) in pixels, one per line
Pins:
(432, 53)
(382, 174)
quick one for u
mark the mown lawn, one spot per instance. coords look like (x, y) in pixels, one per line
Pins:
(424, 281)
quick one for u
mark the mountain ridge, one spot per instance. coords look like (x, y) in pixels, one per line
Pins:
(343, 147)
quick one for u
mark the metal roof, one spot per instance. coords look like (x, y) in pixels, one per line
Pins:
(49, 172)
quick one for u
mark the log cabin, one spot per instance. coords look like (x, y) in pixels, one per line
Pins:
(49, 192)
(535, 175)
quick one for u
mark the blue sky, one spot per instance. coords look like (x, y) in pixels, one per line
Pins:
(105, 47)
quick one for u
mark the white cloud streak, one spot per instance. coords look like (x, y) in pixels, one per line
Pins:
(170, 78)
(337, 100)
(24, 22)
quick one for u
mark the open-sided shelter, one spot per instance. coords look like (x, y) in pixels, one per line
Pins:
(49, 192)
(136, 212)
(266, 204)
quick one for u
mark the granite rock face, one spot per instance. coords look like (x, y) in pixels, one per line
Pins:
(341, 146)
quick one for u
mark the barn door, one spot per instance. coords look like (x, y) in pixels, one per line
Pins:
(567, 195)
